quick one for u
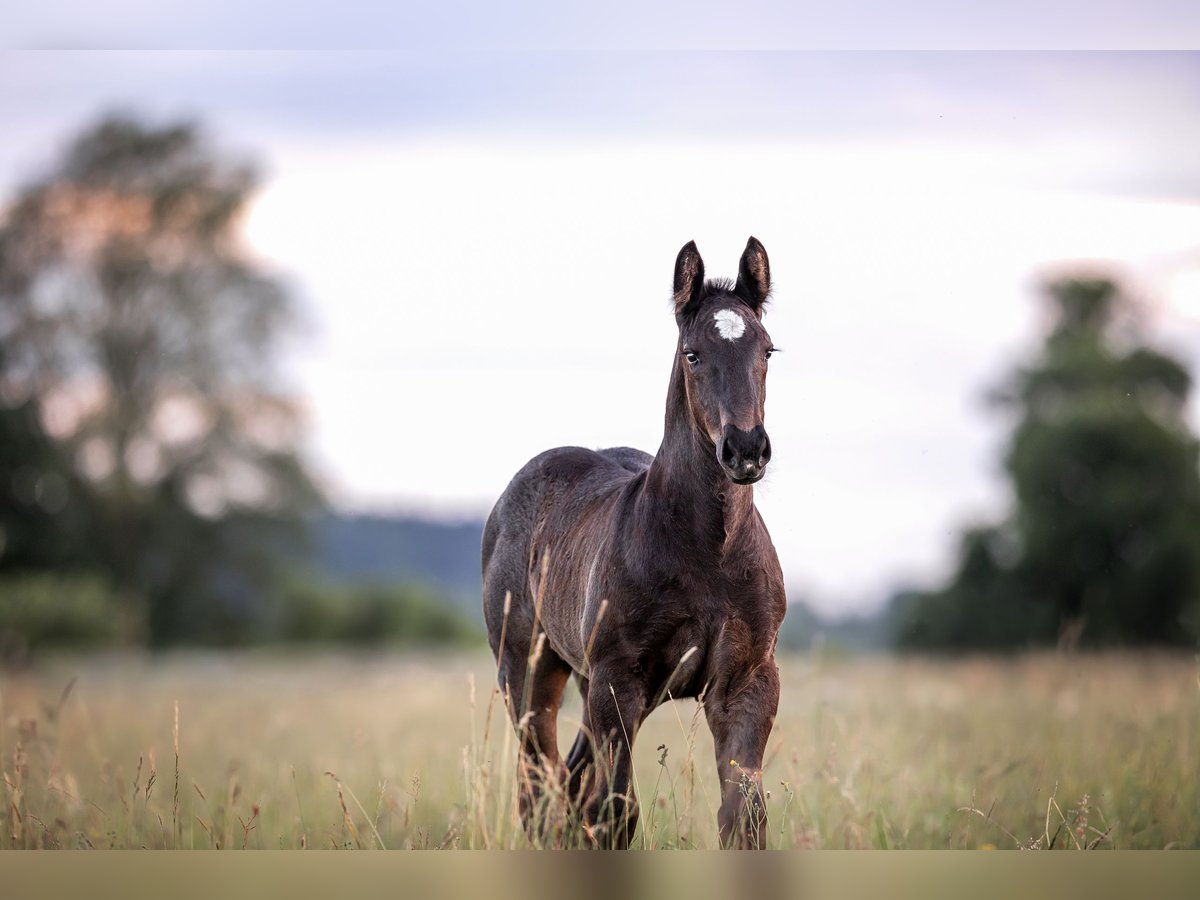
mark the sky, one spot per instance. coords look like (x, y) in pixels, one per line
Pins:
(482, 244)
(468, 26)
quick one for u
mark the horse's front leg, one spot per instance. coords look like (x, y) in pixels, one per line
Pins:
(741, 717)
(616, 705)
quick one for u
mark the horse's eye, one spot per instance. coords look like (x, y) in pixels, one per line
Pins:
(692, 357)
(769, 352)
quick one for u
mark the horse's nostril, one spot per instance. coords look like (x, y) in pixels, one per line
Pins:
(728, 454)
(764, 454)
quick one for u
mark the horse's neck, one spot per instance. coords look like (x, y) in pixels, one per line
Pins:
(689, 487)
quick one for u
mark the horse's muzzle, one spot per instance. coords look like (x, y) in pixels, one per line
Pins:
(744, 454)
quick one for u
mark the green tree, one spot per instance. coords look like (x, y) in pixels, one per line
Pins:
(984, 606)
(1104, 538)
(36, 531)
(137, 342)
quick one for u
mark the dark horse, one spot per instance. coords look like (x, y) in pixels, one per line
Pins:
(649, 577)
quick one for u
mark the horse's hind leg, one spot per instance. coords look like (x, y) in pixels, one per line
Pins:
(581, 756)
(533, 686)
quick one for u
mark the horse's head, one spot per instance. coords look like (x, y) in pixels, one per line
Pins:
(723, 353)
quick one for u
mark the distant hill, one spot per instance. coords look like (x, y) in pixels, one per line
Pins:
(445, 555)
(404, 548)
(805, 629)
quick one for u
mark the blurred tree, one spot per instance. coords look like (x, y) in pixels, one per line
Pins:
(984, 607)
(36, 531)
(1104, 469)
(1103, 545)
(136, 350)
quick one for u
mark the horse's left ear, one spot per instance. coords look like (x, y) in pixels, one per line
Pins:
(754, 276)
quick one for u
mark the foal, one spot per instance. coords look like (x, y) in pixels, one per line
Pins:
(649, 578)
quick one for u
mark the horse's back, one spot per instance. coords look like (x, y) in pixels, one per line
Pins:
(628, 458)
(564, 469)
(555, 486)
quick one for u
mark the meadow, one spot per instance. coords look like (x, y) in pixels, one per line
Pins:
(404, 750)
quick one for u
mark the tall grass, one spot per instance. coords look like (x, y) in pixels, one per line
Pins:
(412, 751)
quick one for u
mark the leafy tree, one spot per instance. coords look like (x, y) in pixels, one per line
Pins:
(36, 530)
(984, 607)
(1104, 539)
(137, 339)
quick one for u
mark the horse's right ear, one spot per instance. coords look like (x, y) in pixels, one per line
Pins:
(689, 278)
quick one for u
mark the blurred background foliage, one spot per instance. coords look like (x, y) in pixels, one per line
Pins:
(150, 484)
(311, 610)
(152, 491)
(1100, 547)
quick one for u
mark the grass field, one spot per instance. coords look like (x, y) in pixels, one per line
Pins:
(413, 751)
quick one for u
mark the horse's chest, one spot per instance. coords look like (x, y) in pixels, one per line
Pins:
(660, 618)
(713, 598)
(694, 638)
(695, 616)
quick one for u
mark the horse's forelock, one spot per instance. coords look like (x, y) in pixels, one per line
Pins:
(716, 292)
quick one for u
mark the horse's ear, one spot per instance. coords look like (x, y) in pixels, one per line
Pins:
(754, 276)
(689, 277)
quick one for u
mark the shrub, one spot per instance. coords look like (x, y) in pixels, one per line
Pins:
(369, 613)
(37, 610)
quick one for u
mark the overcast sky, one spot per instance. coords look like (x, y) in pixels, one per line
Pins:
(483, 243)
